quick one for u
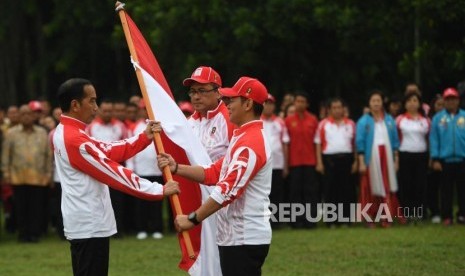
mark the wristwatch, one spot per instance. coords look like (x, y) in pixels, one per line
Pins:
(192, 217)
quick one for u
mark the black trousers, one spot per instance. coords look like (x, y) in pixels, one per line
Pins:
(338, 187)
(117, 202)
(452, 173)
(90, 257)
(277, 190)
(432, 192)
(244, 260)
(55, 204)
(413, 173)
(148, 214)
(303, 189)
(30, 212)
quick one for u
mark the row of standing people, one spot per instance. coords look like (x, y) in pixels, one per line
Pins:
(31, 190)
(413, 147)
(390, 154)
(332, 154)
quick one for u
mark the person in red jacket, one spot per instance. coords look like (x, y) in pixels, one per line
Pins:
(303, 186)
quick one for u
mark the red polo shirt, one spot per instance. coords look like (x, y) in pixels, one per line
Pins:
(301, 133)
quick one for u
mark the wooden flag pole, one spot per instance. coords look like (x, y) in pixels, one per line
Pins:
(157, 137)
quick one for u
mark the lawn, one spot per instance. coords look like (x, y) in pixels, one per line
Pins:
(401, 250)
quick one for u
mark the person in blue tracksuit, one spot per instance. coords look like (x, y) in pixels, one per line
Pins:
(447, 150)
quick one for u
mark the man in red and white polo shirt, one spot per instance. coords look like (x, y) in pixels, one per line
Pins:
(86, 167)
(335, 156)
(210, 121)
(107, 128)
(278, 138)
(242, 180)
(303, 185)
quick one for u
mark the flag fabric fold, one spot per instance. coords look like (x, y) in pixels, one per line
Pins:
(179, 141)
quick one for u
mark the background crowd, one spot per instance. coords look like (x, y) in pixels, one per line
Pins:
(403, 151)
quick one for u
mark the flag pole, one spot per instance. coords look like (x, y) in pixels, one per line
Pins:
(157, 138)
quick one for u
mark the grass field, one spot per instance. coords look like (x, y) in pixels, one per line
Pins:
(401, 250)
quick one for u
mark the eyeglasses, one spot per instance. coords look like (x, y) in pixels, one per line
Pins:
(201, 91)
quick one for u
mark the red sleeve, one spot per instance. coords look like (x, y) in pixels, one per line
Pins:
(87, 157)
(212, 173)
(122, 150)
(242, 168)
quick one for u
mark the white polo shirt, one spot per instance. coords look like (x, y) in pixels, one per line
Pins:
(215, 130)
(145, 162)
(413, 133)
(335, 138)
(277, 135)
(113, 131)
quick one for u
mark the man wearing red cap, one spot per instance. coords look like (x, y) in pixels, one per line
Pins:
(447, 150)
(27, 166)
(242, 182)
(210, 121)
(37, 108)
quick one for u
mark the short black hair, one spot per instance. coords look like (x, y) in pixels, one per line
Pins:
(72, 89)
(302, 93)
(256, 107)
(376, 92)
(408, 97)
(334, 100)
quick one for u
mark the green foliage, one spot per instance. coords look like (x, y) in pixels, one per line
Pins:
(327, 47)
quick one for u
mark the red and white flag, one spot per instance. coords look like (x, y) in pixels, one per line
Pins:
(179, 141)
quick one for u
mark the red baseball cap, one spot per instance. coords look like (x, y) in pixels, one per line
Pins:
(248, 88)
(35, 106)
(186, 107)
(450, 92)
(203, 74)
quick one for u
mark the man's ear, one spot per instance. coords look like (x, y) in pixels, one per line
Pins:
(249, 104)
(75, 105)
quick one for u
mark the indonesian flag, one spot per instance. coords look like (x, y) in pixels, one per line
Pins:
(179, 141)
